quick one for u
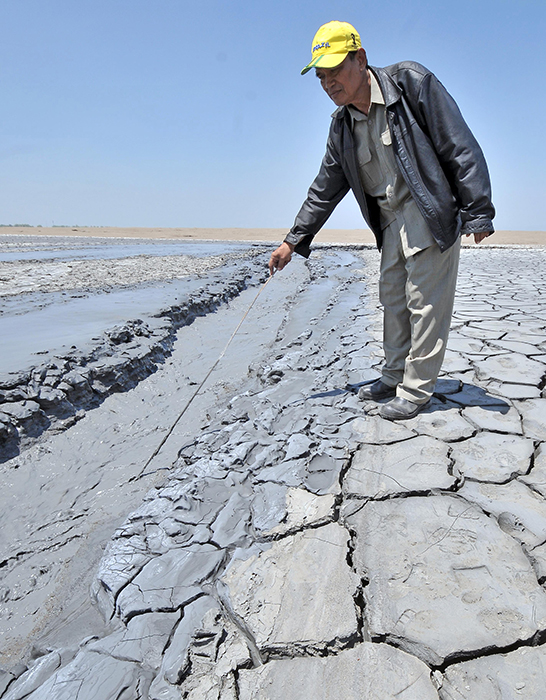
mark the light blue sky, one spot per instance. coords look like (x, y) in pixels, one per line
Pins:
(178, 113)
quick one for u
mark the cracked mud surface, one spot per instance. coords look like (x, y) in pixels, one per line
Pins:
(288, 542)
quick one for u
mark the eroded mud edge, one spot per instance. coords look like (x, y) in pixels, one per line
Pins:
(56, 393)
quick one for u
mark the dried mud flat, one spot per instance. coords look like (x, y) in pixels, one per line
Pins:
(287, 541)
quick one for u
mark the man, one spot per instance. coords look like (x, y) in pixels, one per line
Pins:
(399, 142)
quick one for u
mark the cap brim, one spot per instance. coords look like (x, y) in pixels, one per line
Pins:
(325, 60)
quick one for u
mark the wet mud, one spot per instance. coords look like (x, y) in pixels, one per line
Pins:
(72, 337)
(287, 540)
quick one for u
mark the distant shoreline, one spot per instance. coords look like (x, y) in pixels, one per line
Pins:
(272, 235)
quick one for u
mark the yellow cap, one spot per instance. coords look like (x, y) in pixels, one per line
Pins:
(331, 44)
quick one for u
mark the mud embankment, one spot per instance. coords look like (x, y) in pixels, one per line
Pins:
(56, 392)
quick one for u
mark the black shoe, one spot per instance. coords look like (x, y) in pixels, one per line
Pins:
(401, 409)
(376, 391)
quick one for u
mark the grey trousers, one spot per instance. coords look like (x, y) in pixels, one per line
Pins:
(417, 293)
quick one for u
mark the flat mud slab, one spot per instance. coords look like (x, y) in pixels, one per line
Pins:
(286, 537)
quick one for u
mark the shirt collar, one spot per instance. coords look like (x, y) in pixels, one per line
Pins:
(376, 97)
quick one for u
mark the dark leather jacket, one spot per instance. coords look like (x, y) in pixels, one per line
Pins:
(438, 156)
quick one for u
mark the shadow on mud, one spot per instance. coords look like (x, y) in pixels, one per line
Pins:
(448, 392)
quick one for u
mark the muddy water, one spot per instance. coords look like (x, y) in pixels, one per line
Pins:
(18, 248)
(58, 323)
(55, 294)
(63, 498)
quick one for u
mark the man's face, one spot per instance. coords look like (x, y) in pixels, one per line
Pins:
(347, 83)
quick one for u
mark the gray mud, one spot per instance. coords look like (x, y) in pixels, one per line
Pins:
(46, 248)
(287, 541)
(72, 333)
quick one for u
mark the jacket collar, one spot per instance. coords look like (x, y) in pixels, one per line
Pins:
(391, 92)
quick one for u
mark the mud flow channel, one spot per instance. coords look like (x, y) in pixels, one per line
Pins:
(157, 316)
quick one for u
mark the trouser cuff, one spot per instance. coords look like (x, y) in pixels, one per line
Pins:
(414, 397)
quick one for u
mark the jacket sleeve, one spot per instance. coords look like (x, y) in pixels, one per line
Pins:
(459, 154)
(327, 190)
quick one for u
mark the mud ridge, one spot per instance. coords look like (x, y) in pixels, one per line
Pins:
(57, 393)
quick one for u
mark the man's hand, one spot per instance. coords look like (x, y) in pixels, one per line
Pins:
(281, 257)
(479, 237)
